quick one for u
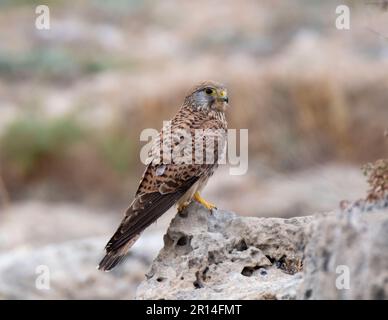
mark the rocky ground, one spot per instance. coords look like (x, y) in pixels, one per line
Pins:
(69, 238)
(337, 255)
(69, 241)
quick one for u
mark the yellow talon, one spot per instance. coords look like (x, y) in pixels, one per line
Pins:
(202, 201)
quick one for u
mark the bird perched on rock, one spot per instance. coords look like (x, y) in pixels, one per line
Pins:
(194, 144)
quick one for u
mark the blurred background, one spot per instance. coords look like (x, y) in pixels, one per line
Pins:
(74, 99)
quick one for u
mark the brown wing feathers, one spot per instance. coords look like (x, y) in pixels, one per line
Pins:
(154, 205)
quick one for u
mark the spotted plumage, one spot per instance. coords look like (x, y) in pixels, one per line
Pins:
(182, 159)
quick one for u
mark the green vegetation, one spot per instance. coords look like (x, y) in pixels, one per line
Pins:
(57, 64)
(116, 149)
(29, 140)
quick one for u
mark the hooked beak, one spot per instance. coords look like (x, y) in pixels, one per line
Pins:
(223, 96)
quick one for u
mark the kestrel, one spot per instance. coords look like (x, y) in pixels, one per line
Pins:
(165, 183)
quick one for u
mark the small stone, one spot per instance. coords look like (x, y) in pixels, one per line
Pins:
(263, 272)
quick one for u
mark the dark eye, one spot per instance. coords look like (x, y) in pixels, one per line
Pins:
(209, 90)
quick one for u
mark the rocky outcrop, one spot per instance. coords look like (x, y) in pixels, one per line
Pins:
(337, 255)
(62, 245)
(68, 271)
(347, 254)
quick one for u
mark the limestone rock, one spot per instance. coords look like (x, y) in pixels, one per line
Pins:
(68, 271)
(347, 255)
(68, 240)
(225, 256)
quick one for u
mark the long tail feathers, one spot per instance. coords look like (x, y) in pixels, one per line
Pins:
(110, 260)
(114, 257)
(150, 207)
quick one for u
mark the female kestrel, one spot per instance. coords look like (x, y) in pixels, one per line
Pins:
(200, 119)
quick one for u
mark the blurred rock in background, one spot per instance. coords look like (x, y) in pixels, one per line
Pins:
(74, 99)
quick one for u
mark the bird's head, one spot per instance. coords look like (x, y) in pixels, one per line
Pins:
(208, 95)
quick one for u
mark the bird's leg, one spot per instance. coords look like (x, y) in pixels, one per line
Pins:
(183, 206)
(202, 201)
